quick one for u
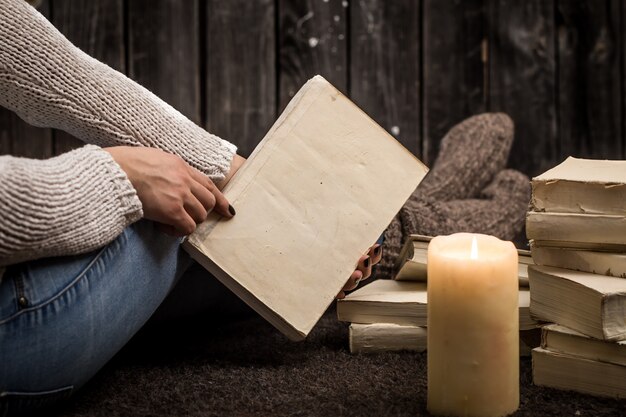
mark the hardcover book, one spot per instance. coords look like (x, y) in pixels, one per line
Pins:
(386, 337)
(591, 304)
(577, 230)
(562, 339)
(597, 262)
(385, 301)
(569, 372)
(412, 261)
(405, 303)
(584, 186)
(315, 194)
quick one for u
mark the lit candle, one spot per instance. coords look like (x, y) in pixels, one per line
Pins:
(473, 326)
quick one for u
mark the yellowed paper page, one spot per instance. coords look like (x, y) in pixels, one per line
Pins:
(315, 194)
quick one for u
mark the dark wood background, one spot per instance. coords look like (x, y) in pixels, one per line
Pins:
(416, 66)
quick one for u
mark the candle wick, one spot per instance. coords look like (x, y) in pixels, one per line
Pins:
(474, 252)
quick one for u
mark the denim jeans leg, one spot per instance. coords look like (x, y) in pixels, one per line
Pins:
(62, 319)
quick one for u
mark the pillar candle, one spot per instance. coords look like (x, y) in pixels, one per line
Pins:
(473, 326)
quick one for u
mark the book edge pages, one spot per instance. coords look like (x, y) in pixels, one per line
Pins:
(562, 338)
(581, 186)
(560, 172)
(609, 327)
(595, 262)
(589, 246)
(386, 337)
(585, 279)
(567, 382)
(538, 274)
(382, 287)
(406, 254)
(576, 227)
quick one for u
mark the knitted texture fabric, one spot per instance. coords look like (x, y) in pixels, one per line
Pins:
(467, 189)
(49, 82)
(83, 200)
(67, 204)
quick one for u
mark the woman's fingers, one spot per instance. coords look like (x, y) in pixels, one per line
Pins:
(204, 196)
(363, 269)
(171, 191)
(353, 281)
(220, 203)
(196, 209)
(376, 253)
(365, 266)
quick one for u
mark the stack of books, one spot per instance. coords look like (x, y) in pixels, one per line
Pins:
(577, 229)
(390, 314)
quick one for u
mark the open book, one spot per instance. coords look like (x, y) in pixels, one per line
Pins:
(317, 191)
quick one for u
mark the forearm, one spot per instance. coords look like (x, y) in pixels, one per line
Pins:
(69, 204)
(49, 82)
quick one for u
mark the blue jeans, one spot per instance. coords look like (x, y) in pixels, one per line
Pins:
(62, 319)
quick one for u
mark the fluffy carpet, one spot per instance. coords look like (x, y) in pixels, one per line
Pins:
(246, 368)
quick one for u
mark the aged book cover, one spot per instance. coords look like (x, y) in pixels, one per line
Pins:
(385, 301)
(568, 372)
(562, 339)
(411, 264)
(405, 303)
(591, 304)
(524, 259)
(317, 191)
(597, 262)
(526, 321)
(386, 337)
(582, 230)
(584, 186)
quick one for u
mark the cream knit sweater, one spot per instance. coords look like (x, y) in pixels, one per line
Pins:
(81, 200)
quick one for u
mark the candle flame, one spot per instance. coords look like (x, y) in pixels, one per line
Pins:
(474, 253)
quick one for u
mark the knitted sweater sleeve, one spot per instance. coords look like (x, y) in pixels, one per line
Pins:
(73, 203)
(81, 200)
(49, 82)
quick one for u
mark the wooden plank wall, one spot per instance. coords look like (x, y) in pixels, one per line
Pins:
(416, 66)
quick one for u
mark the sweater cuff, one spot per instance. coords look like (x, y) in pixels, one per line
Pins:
(220, 152)
(130, 207)
(66, 205)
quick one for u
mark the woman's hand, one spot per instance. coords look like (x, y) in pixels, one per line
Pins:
(363, 269)
(171, 191)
